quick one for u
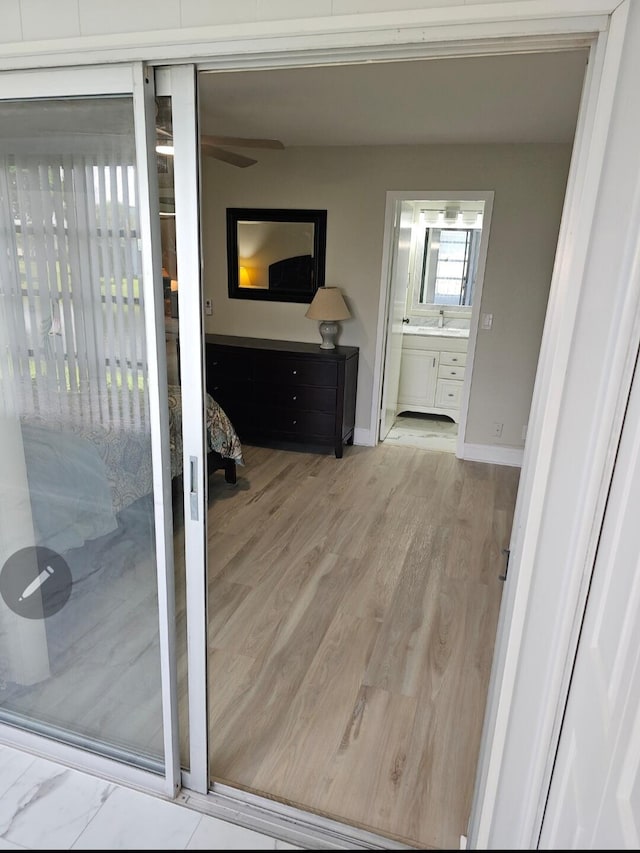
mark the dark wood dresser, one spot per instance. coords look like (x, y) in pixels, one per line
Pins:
(284, 391)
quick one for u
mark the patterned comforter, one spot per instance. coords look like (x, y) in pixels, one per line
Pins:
(82, 475)
(221, 436)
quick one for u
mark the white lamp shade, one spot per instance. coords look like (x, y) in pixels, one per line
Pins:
(244, 279)
(328, 304)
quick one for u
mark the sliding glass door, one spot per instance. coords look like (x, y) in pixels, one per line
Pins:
(177, 136)
(86, 561)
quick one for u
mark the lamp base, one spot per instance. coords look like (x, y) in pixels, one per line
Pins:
(328, 333)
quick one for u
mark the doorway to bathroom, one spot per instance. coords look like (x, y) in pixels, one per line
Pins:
(427, 432)
(435, 251)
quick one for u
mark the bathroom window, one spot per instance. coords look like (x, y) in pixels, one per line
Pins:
(444, 256)
(449, 264)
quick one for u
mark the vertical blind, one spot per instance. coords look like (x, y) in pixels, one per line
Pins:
(70, 281)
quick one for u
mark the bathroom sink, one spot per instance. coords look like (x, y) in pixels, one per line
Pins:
(441, 332)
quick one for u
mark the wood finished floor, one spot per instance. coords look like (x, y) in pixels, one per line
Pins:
(353, 606)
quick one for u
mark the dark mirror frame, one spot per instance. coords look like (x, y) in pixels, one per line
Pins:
(256, 214)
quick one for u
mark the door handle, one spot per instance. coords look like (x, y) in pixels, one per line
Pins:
(507, 554)
(193, 487)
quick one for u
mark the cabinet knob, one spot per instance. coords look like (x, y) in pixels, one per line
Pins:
(295, 397)
(449, 395)
(294, 372)
(295, 422)
(454, 359)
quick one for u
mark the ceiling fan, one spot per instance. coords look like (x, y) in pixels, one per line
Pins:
(219, 147)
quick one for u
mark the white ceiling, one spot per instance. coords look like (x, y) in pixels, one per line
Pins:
(514, 98)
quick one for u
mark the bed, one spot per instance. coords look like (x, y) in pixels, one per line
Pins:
(81, 476)
(292, 273)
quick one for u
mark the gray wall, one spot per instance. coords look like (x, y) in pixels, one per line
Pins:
(351, 184)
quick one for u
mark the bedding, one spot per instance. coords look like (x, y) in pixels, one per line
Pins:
(82, 475)
(221, 436)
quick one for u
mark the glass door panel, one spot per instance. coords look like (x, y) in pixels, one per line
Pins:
(79, 634)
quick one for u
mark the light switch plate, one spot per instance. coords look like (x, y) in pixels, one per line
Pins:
(486, 321)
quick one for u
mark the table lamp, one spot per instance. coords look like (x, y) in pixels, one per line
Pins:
(328, 306)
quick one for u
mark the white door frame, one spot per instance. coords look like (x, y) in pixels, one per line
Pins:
(384, 307)
(593, 342)
(179, 82)
(131, 80)
(390, 288)
(495, 790)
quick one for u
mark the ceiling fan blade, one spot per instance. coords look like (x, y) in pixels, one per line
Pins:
(228, 156)
(242, 142)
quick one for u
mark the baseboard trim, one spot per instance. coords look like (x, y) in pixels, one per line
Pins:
(364, 437)
(494, 454)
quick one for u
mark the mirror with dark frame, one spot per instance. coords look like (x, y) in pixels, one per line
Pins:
(275, 254)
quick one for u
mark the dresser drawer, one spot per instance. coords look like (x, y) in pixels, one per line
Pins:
(279, 421)
(228, 392)
(239, 413)
(450, 371)
(227, 365)
(296, 371)
(457, 358)
(448, 394)
(298, 397)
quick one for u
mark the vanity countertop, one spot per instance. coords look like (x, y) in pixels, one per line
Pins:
(436, 331)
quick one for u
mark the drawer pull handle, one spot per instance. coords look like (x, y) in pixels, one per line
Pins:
(449, 395)
(454, 359)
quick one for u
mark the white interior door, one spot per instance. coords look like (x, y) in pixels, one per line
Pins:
(400, 215)
(593, 800)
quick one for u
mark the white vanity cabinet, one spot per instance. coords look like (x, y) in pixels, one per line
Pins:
(432, 374)
(418, 378)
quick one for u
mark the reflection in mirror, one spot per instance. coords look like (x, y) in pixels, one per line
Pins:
(446, 254)
(449, 266)
(275, 254)
(269, 251)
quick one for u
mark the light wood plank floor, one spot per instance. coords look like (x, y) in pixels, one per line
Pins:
(353, 606)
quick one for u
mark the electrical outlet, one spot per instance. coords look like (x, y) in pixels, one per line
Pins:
(486, 321)
(208, 307)
(497, 430)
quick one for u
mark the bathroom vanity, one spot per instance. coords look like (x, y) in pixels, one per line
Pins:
(432, 370)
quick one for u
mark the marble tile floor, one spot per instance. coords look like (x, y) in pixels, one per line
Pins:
(428, 432)
(47, 806)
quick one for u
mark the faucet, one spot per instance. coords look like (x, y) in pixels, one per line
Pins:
(441, 319)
